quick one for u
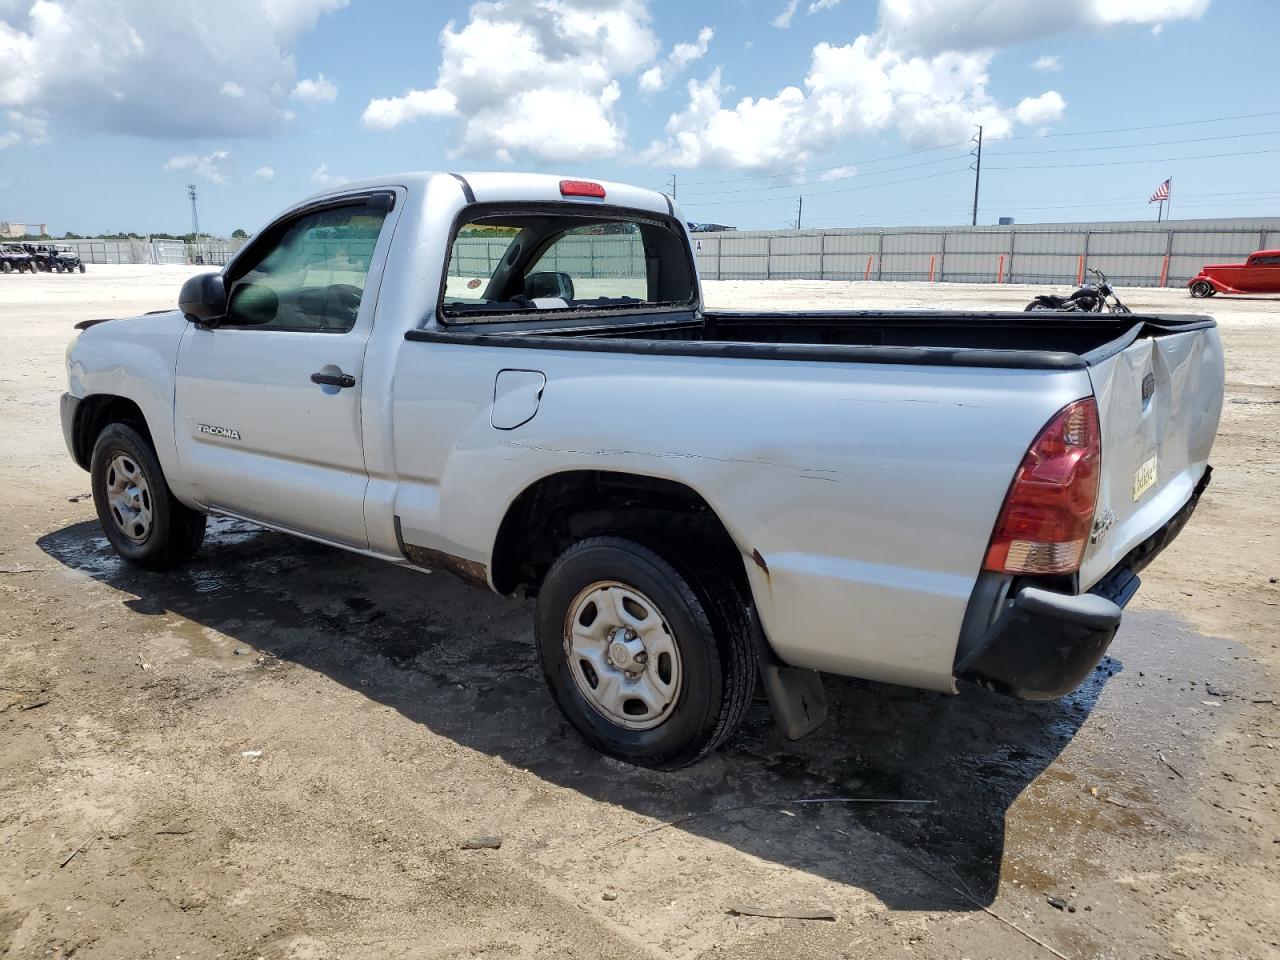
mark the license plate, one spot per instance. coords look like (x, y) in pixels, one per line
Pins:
(1144, 478)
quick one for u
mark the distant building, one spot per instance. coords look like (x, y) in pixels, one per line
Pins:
(10, 229)
(708, 227)
(1006, 221)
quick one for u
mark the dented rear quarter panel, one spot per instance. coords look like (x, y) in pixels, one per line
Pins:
(869, 491)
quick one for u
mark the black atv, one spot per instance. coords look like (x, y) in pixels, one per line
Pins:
(66, 260)
(14, 259)
(54, 259)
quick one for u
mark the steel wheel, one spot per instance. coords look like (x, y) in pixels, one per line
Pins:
(129, 497)
(622, 655)
(1202, 288)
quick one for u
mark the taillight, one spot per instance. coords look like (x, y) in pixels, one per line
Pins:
(1048, 514)
(580, 188)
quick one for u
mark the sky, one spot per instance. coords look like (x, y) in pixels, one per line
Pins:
(108, 108)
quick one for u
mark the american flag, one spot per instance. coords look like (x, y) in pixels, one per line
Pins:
(1162, 192)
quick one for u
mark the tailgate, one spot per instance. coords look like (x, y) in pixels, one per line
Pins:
(1159, 401)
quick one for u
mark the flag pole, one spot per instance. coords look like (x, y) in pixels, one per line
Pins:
(1170, 182)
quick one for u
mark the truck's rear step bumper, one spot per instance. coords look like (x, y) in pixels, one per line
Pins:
(1045, 644)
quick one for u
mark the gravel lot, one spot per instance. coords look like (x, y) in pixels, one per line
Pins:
(280, 751)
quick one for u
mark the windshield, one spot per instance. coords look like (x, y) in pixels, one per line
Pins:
(531, 262)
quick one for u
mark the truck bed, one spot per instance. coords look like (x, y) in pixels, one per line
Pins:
(930, 338)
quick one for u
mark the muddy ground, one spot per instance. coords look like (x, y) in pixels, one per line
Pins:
(280, 751)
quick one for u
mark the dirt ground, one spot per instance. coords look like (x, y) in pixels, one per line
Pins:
(280, 751)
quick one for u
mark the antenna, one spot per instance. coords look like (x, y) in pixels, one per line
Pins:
(673, 186)
(195, 216)
(976, 167)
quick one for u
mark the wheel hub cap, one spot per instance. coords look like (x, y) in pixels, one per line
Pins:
(129, 498)
(622, 655)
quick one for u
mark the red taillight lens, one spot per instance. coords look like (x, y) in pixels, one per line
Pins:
(1048, 514)
(580, 188)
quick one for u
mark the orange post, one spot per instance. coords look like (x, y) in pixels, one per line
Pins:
(931, 259)
(1164, 271)
(866, 274)
(1080, 271)
(1000, 272)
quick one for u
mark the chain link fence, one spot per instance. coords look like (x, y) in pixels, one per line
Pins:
(213, 251)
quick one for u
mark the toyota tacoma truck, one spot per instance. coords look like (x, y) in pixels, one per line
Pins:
(513, 378)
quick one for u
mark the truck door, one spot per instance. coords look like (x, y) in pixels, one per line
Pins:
(267, 405)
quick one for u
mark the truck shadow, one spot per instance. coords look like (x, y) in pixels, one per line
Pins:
(461, 662)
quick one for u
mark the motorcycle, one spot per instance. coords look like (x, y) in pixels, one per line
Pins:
(1090, 298)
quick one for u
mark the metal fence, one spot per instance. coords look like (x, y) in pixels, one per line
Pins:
(214, 252)
(1136, 254)
(608, 256)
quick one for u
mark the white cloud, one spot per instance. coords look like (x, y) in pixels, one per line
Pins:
(681, 55)
(1157, 29)
(532, 77)
(321, 177)
(264, 173)
(817, 6)
(315, 91)
(1037, 111)
(1049, 64)
(25, 128)
(837, 173)
(783, 20)
(860, 88)
(930, 26)
(143, 67)
(291, 17)
(212, 166)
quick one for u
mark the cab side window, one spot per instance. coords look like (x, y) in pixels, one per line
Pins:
(311, 278)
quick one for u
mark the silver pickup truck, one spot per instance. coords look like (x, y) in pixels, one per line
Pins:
(513, 378)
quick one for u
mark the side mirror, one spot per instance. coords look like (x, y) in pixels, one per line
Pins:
(204, 299)
(548, 284)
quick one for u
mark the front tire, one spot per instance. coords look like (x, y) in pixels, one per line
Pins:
(143, 521)
(1202, 288)
(645, 665)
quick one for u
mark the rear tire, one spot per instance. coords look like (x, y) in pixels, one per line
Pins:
(143, 521)
(1034, 306)
(1202, 288)
(6, 267)
(649, 666)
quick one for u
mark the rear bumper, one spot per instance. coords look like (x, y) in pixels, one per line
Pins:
(1044, 644)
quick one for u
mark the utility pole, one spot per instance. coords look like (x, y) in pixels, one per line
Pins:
(195, 217)
(673, 186)
(976, 167)
(799, 211)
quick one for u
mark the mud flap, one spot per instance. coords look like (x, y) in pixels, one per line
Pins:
(796, 695)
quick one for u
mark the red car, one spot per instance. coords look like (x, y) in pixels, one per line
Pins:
(1259, 274)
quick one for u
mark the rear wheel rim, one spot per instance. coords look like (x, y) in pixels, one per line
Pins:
(129, 498)
(623, 655)
(1200, 289)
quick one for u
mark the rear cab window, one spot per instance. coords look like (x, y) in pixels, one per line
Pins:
(517, 263)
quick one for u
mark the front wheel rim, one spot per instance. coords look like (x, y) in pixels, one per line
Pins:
(623, 656)
(129, 498)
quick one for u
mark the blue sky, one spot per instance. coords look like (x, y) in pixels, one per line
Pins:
(862, 108)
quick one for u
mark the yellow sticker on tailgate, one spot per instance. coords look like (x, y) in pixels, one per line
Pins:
(1144, 478)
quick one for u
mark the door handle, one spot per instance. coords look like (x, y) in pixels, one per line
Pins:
(334, 379)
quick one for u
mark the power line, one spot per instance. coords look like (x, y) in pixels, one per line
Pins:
(1132, 146)
(827, 193)
(801, 171)
(850, 176)
(1150, 126)
(1129, 163)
